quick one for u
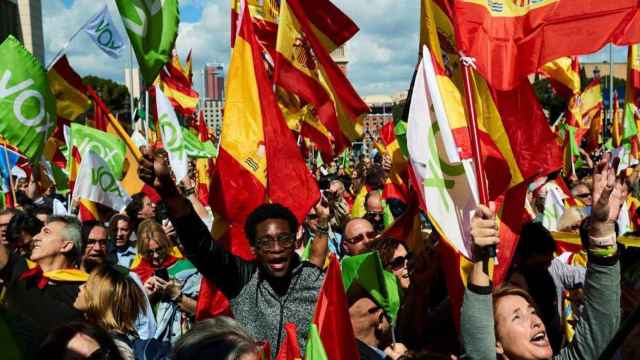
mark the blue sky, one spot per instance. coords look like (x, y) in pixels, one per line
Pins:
(382, 55)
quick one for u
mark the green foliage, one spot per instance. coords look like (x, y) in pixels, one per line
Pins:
(114, 95)
(551, 102)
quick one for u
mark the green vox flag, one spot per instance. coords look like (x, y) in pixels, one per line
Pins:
(197, 148)
(107, 146)
(27, 106)
(366, 270)
(152, 26)
(315, 348)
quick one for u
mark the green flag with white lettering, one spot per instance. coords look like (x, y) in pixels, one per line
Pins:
(107, 146)
(196, 148)
(152, 26)
(27, 106)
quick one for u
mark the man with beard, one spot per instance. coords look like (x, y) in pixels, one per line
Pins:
(95, 245)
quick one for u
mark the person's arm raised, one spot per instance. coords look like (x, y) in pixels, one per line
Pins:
(227, 271)
(476, 323)
(320, 245)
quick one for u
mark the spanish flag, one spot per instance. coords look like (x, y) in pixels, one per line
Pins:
(305, 68)
(632, 94)
(71, 102)
(258, 158)
(512, 39)
(564, 74)
(395, 185)
(513, 153)
(617, 126)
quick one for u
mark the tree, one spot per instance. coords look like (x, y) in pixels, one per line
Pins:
(114, 95)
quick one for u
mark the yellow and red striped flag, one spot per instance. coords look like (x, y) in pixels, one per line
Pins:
(617, 126)
(305, 68)
(177, 88)
(632, 94)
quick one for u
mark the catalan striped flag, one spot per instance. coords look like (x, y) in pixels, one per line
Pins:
(305, 68)
(510, 41)
(176, 86)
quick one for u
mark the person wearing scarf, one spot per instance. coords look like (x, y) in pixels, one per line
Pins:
(171, 282)
(41, 290)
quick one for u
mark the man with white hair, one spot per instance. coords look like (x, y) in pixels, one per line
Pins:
(40, 293)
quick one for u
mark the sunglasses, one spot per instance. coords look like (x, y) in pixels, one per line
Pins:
(158, 251)
(399, 262)
(374, 214)
(269, 242)
(360, 237)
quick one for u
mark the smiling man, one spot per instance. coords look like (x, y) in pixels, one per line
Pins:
(274, 289)
(40, 294)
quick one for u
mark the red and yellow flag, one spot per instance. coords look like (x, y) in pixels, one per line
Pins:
(177, 87)
(395, 185)
(255, 139)
(512, 39)
(617, 126)
(305, 68)
(632, 94)
(564, 74)
(71, 102)
(513, 153)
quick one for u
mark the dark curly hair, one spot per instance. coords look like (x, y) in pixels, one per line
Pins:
(266, 212)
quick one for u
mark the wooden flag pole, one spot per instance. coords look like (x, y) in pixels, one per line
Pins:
(472, 123)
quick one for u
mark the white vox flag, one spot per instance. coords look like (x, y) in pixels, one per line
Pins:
(102, 31)
(448, 185)
(172, 136)
(96, 182)
(553, 206)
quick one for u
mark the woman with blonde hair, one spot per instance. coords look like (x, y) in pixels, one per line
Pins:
(113, 301)
(172, 283)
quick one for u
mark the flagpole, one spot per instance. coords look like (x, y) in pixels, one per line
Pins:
(146, 115)
(13, 189)
(483, 191)
(131, 86)
(611, 116)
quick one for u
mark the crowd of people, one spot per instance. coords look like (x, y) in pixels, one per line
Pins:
(129, 287)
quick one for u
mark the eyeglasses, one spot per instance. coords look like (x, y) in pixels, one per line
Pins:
(374, 214)
(92, 242)
(399, 262)
(269, 242)
(157, 251)
(360, 237)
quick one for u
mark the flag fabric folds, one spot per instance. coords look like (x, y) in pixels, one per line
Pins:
(8, 159)
(172, 137)
(290, 349)
(365, 271)
(330, 335)
(27, 106)
(177, 88)
(258, 155)
(632, 93)
(305, 68)
(98, 184)
(104, 34)
(441, 176)
(511, 39)
(152, 27)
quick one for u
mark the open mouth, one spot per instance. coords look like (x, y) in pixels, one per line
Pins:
(540, 339)
(35, 245)
(277, 264)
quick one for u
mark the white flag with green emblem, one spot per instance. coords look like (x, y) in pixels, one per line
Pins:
(172, 136)
(96, 182)
(448, 185)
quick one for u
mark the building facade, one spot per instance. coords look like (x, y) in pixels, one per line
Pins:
(213, 115)
(381, 113)
(214, 82)
(23, 20)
